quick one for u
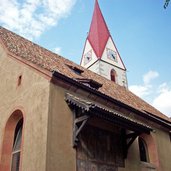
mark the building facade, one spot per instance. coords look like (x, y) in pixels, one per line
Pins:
(59, 116)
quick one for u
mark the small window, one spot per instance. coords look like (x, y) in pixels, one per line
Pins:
(75, 69)
(143, 150)
(90, 83)
(113, 75)
(19, 80)
(17, 146)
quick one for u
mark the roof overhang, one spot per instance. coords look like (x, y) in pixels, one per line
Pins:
(57, 75)
(95, 110)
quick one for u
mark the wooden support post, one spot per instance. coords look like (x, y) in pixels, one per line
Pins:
(129, 139)
(78, 125)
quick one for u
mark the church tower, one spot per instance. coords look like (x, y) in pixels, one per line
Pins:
(100, 54)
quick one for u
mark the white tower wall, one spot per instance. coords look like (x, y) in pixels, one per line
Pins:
(104, 69)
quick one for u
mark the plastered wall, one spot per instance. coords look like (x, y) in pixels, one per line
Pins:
(61, 156)
(48, 128)
(31, 97)
(164, 149)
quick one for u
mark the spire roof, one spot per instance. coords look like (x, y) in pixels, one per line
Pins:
(98, 33)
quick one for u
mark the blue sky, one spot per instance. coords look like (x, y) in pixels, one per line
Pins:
(141, 31)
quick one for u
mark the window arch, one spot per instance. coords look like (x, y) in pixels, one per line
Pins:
(16, 150)
(113, 75)
(143, 150)
(12, 141)
(151, 145)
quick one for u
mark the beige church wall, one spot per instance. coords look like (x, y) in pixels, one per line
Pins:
(31, 97)
(60, 139)
(159, 159)
(133, 163)
(164, 149)
(47, 132)
(60, 154)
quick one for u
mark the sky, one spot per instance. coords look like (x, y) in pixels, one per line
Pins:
(141, 31)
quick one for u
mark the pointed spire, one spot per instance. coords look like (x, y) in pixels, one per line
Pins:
(98, 33)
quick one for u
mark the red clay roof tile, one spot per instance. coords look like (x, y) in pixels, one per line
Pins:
(50, 61)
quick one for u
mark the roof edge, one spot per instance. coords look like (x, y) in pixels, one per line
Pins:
(161, 121)
(43, 71)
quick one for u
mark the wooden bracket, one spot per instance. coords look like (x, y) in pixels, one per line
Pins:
(129, 139)
(78, 125)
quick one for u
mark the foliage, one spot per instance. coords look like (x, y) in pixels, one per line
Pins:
(166, 3)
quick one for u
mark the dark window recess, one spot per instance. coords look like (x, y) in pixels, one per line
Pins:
(143, 150)
(89, 82)
(75, 70)
(17, 146)
(113, 75)
(19, 80)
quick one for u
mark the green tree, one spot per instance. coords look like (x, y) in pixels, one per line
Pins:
(166, 3)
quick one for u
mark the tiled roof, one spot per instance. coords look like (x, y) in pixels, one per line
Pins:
(50, 61)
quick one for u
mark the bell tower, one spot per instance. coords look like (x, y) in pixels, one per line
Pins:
(100, 54)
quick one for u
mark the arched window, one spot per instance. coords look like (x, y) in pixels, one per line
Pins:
(143, 150)
(113, 75)
(16, 150)
(151, 149)
(12, 142)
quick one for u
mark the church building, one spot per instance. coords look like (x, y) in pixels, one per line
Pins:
(60, 116)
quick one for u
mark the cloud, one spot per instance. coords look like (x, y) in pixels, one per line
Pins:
(144, 89)
(57, 50)
(163, 100)
(147, 78)
(31, 18)
(158, 96)
(140, 90)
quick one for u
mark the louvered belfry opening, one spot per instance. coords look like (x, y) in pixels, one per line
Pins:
(16, 151)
